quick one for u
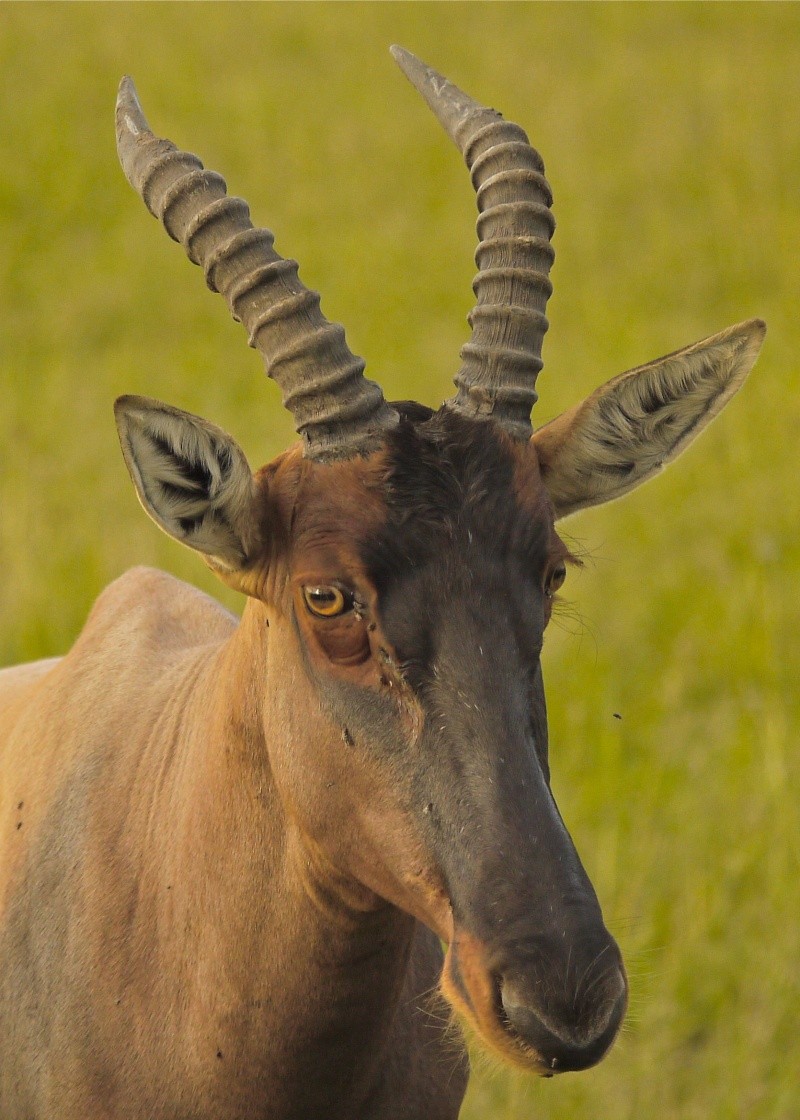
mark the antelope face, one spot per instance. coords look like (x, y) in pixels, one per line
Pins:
(424, 648)
(408, 561)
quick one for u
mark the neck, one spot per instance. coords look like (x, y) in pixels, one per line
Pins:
(284, 946)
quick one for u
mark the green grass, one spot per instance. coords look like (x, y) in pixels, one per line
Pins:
(672, 142)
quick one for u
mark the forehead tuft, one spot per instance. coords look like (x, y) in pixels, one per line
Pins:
(443, 467)
(451, 480)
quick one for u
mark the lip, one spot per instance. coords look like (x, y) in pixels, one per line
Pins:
(474, 992)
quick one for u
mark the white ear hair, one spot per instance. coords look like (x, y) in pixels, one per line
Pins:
(191, 478)
(629, 429)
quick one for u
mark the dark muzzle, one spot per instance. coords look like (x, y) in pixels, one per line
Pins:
(567, 1002)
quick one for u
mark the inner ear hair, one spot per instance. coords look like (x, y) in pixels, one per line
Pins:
(630, 428)
(191, 477)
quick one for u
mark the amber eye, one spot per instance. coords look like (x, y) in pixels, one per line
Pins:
(555, 580)
(326, 600)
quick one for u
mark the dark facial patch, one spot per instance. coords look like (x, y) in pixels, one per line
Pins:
(449, 484)
(455, 526)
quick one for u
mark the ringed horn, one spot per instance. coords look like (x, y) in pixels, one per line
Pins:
(337, 411)
(501, 361)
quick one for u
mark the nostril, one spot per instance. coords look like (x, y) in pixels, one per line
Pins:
(569, 1037)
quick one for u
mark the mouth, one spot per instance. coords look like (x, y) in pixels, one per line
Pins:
(475, 994)
(521, 1033)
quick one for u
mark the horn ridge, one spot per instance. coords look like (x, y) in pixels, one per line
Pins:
(336, 410)
(514, 254)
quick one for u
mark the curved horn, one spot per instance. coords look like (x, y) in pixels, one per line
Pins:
(337, 411)
(501, 361)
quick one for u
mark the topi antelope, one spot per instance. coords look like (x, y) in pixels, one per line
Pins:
(232, 850)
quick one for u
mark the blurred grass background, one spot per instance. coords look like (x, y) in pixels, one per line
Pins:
(671, 135)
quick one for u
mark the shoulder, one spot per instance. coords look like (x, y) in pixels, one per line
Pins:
(152, 604)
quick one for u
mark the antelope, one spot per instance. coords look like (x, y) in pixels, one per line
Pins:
(253, 868)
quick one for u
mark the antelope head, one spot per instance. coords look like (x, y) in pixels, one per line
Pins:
(403, 563)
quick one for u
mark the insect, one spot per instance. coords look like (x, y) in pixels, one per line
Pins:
(233, 849)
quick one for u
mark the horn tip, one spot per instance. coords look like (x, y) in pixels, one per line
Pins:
(401, 56)
(129, 116)
(414, 68)
(449, 104)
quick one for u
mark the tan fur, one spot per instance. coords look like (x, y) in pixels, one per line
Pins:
(173, 891)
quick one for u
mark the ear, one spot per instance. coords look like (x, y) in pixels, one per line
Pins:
(191, 478)
(632, 427)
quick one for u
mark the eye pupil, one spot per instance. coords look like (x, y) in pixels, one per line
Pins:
(326, 600)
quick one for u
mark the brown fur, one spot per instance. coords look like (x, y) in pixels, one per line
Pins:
(163, 867)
